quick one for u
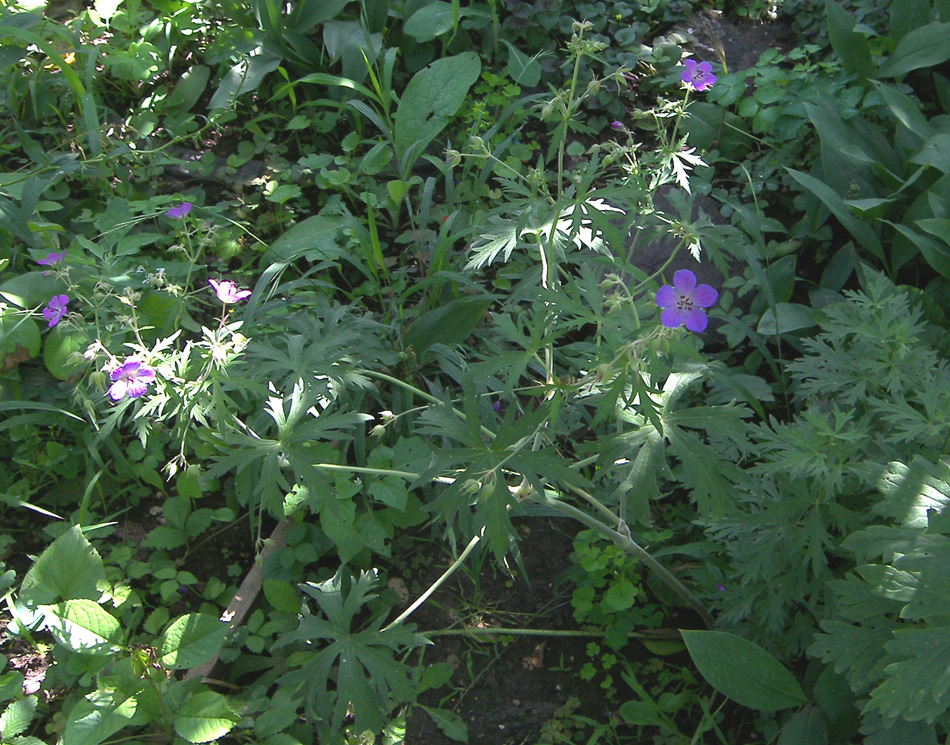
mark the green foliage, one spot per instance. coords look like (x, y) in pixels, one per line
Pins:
(432, 97)
(608, 592)
(743, 671)
(358, 659)
(883, 185)
(855, 478)
(452, 341)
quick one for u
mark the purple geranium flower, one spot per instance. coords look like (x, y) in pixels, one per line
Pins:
(699, 75)
(681, 303)
(616, 125)
(52, 259)
(228, 292)
(56, 309)
(181, 211)
(130, 379)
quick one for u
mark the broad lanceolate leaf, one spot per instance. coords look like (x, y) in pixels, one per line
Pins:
(743, 671)
(448, 324)
(205, 717)
(433, 95)
(923, 47)
(807, 727)
(850, 45)
(244, 77)
(316, 239)
(190, 640)
(84, 626)
(860, 229)
(68, 569)
(430, 21)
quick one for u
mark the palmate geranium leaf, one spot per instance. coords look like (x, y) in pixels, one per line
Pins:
(300, 421)
(918, 685)
(368, 679)
(486, 471)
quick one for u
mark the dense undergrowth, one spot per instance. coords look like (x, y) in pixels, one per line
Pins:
(341, 276)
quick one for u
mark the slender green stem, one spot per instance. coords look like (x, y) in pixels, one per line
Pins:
(659, 271)
(437, 584)
(676, 124)
(597, 505)
(562, 145)
(402, 384)
(626, 543)
(573, 633)
(371, 471)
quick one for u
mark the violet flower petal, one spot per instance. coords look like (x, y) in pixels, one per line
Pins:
(704, 296)
(684, 281)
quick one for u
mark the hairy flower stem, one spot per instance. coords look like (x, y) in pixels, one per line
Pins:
(437, 584)
(562, 145)
(625, 543)
(422, 394)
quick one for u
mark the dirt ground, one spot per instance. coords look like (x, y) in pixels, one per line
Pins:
(508, 689)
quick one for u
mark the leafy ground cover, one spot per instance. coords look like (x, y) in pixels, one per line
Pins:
(520, 372)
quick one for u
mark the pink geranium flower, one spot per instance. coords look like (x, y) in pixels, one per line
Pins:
(56, 309)
(699, 75)
(228, 292)
(131, 379)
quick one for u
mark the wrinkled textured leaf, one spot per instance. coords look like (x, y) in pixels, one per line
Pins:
(205, 717)
(68, 569)
(84, 626)
(190, 640)
(17, 717)
(100, 715)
